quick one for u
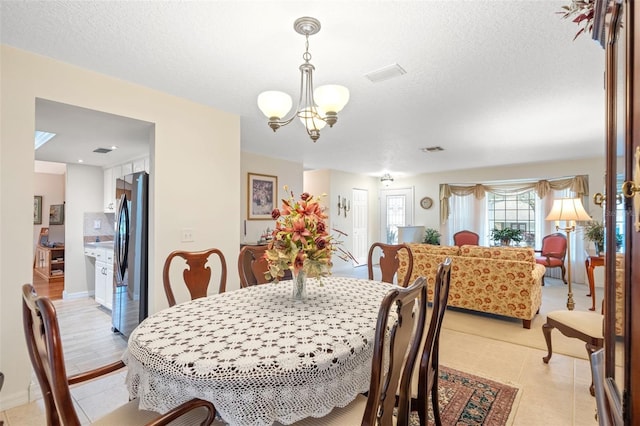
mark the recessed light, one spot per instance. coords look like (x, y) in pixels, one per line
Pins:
(114, 147)
(42, 137)
(80, 160)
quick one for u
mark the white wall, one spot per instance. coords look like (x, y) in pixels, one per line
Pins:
(288, 173)
(195, 150)
(334, 183)
(84, 194)
(51, 188)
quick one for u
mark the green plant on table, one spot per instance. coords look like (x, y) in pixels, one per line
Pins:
(506, 235)
(431, 236)
(594, 231)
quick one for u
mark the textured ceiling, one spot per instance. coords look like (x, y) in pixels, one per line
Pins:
(492, 82)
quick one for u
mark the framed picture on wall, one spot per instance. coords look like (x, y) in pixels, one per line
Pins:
(56, 214)
(262, 193)
(37, 209)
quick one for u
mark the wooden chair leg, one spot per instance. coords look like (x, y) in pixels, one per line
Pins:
(526, 324)
(434, 402)
(564, 272)
(546, 330)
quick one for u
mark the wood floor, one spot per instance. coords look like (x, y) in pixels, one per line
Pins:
(52, 289)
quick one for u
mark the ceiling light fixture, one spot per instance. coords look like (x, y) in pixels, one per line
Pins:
(386, 179)
(330, 98)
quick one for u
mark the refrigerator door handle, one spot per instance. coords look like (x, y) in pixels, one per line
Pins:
(122, 240)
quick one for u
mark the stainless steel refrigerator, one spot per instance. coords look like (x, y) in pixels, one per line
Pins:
(130, 297)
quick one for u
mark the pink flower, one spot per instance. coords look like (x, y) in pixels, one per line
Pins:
(299, 230)
(305, 196)
(275, 214)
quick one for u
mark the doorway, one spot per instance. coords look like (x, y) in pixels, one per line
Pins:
(360, 213)
(396, 209)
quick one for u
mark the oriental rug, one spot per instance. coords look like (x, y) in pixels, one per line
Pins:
(465, 399)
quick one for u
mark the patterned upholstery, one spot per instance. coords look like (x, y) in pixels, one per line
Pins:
(498, 280)
(619, 294)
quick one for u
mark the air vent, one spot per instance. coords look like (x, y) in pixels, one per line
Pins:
(432, 149)
(385, 73)
(102, 150)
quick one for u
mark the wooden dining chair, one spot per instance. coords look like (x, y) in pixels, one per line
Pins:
(399, 331)
(425, 376)
(44, 345)
(389, 262)
(252, 266)
(196, 274)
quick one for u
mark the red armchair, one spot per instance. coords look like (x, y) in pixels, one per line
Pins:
(466, 238)
(554, 249)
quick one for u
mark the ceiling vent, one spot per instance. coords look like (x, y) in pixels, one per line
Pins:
(385, 73)
(432, 149)
(102, 150)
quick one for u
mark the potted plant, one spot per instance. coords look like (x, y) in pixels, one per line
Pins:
(431, 236)
(506, 236)
(594, 231)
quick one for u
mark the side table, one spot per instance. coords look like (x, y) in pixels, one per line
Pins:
(590, 263)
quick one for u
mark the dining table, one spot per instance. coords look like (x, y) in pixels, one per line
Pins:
(258, 355)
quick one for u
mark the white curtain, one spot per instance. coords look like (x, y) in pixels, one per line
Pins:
(467, 213)
(578, 245)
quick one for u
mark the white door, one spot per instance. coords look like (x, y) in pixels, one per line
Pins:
(396, 209)
(359, 213)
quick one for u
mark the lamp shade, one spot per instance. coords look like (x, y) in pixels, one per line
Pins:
(273, 103)
(310, 120)
(331, 97)
(568, 209)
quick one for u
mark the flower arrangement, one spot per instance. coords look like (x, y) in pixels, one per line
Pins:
(583, 9)
(301, 241)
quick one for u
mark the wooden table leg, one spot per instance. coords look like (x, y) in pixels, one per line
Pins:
(592, 291)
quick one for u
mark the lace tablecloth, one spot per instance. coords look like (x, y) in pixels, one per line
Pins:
(257, 355)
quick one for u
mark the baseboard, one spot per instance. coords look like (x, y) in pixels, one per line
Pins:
(79, 295)
(13, 400)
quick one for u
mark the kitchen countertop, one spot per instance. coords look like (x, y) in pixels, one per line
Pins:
(100, 244)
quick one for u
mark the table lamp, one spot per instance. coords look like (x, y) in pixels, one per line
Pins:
(568, 210)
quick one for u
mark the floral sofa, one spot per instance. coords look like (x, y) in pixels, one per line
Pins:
(504, 281)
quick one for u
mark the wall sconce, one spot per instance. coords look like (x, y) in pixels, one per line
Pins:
(343, 205)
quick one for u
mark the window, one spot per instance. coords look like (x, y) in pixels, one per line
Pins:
(395, 217)
(515, 211)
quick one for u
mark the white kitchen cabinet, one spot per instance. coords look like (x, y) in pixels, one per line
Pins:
(127, 169)
(109, 191)
(138, 165)
(103, 276)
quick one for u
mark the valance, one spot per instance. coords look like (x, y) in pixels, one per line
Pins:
(578, 184)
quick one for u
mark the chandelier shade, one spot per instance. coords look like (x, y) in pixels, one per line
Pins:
(274, 104)
(316, 108)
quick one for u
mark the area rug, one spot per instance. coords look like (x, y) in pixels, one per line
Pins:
(465, 399)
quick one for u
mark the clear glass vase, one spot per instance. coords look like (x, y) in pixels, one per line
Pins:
(299, 286)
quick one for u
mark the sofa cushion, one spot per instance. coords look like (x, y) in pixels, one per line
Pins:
(524, 254)
(433, 249)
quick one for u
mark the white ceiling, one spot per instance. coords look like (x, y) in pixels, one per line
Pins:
(492, 82)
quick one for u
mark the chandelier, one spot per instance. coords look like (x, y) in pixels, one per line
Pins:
(386, 179)
(315, 108)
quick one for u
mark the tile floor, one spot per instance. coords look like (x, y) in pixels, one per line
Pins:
(553, 394)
